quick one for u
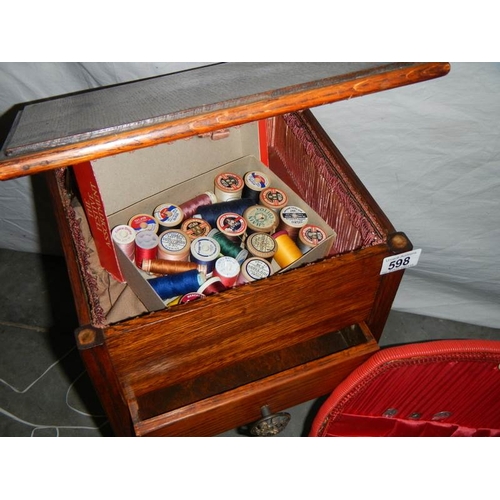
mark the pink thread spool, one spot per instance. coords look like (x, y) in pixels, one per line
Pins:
(190, 207)
(124, 236)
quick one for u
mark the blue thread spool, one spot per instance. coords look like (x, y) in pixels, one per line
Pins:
(205, 251)
(177, 284)
(211, 213)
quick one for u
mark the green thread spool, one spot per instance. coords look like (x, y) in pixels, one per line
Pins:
(228, 247)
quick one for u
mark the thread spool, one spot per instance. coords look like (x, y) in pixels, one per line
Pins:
(232, 225)
(124, 236)
(189, 297)
(260, 219)
(190, 207)
(143, 222)
(292, 219)
(228, 247)
(174, 245)
(212, 286)
(205, 251)
(146, 246)
(261, 245)
(287, 251)
(169, 216)
(177, 284)
(273, 198)
(254, 269)
(162, 266)
(255, 183)
(227, 269)
(211, 213)
(228, 186)
(195, 228)
(310, 236)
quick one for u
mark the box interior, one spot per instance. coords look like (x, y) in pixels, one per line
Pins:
(172, 170)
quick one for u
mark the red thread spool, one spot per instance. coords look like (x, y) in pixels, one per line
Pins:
(227, 269)
(212, 286)
(146, 246)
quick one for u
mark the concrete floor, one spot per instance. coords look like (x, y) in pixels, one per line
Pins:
(44, 389)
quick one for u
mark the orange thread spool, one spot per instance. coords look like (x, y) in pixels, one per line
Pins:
(287, 252)
(162, 267)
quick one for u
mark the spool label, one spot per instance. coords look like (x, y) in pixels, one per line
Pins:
(262, 242)
(174, 241)
(313, 235)
(257, 269)
(261, 217)
(143, 223)
(256, 180)
(294, 216)
(169, 214)
(204, 248)
(274, 197)
(400, 261)
(229, 182)
(231, 223)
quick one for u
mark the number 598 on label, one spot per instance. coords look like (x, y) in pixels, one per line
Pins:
(400, 261)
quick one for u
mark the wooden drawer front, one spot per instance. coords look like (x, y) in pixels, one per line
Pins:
(153, 353)
(243, 405)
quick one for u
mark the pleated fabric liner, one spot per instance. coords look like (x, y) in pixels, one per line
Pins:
(433, 389)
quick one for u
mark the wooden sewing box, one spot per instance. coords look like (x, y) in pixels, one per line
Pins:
(214, 364)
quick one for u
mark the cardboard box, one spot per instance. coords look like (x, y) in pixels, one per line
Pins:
(116, 188)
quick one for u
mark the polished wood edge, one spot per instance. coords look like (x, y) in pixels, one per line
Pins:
(261, 390)
(129, 140)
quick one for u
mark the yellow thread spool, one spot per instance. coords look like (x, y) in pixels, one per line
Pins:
(287, 252)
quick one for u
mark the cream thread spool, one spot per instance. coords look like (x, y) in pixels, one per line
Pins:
(143, 222)
(228, 270)
(174, 245)
(124, 236)
(260, 219)
(255, 182)
(261, 245)
(169, 216)
(292, 219)
(287, 252)
(195, 227)
(273, 198)
(310, 236)
(228, 186)
(254, 269)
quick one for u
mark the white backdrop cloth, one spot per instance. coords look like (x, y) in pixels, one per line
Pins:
(429, 153)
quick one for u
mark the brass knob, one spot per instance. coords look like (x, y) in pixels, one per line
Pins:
(270, 424)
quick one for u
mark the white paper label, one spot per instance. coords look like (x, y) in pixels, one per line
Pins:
(400, 261)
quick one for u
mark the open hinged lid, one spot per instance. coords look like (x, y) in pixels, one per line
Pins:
(101, 122)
